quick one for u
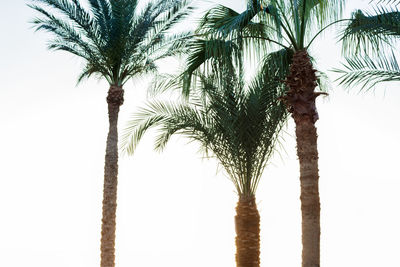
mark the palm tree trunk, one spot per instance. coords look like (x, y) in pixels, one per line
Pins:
(115, 99)
(300, 100)
(247, 223)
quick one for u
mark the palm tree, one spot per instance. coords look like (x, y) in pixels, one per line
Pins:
(117, 40)
(372, 34)
(294, 26)
(236, 124)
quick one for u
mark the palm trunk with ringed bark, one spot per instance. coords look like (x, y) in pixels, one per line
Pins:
(115, 99)
(247, 222)
(300, 100)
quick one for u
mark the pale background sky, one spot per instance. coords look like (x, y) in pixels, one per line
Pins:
(174, 209)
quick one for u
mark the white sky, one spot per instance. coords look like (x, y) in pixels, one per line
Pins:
(174, 209)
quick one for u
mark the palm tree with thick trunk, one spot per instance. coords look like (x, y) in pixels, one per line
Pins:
(238, 124)
(290, 25)
(369, 41)
(117, 40)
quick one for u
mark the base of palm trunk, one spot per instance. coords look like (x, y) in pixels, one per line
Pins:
(247, 223)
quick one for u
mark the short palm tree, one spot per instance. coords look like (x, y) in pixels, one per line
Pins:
(117, 40)
(235, 123)
(373, 34)
(292, 25)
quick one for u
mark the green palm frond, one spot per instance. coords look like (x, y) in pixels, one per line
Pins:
(175, 12)
(224, 21)
(370, 31)
(116, 39)
(172, 116)
(368, 72)
(164, 82)
(101, 11)
(177, 45)
(323, 82)
(276, 65)
(387, 2)
(203, 51)
(324, 12)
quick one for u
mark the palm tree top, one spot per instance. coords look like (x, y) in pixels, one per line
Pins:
(264, 27)
(236, 123)
(116, 39)
(283, 22)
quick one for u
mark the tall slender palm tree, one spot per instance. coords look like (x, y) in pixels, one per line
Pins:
(371, 33)
(117, 40)
(235, 123)
(293, 25)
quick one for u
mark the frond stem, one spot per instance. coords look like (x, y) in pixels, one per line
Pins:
(263, 38)
(303, 24)
(323, 29)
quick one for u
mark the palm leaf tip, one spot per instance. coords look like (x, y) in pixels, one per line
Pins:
(367, 72)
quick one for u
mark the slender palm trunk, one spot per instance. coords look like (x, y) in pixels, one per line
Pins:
(300, 100)
(247, 223)
(115, 99)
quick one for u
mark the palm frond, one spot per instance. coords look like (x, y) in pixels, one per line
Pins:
(174, 13)
(68, 39)
(371, 31)
(324, 11)
(203, 51)
(386, 2)
(275, 65)
(101, 11)
(173, 117)
(78, 17)
(223, 20)
(165, 82)
(368, 72)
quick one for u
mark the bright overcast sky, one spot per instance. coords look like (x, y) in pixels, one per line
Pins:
(174, 208)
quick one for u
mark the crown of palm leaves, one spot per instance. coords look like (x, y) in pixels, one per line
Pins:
(235, 123)
(117, 39)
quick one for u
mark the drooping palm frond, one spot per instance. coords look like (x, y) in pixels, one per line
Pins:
(116, 39)
(202, 52)
(368, 72)
(369, 31)
(322, 12)
(224, 21)
(234, 123)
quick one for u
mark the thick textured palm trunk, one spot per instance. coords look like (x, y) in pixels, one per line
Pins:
(247, 223)
(300, 100)
(115, 99)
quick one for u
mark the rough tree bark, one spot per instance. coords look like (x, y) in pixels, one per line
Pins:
(115, 99)
(247, 223)
(300, 100)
